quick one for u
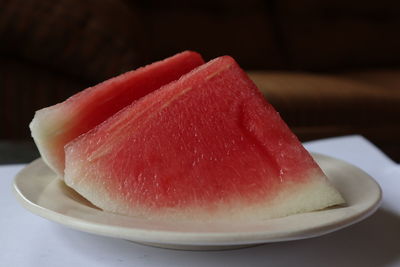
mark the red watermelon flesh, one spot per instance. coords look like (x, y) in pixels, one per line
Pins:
(55, 126)
(207, 146)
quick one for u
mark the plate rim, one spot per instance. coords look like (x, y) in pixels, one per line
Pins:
(162, 237)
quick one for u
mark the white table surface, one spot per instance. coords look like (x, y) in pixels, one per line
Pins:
(29, 240)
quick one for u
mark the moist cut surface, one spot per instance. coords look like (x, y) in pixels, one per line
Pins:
(207, 146)
(53, 127)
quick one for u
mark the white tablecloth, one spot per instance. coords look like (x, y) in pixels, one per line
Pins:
(29, 240)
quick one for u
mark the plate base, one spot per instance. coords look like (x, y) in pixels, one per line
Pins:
(196, 248)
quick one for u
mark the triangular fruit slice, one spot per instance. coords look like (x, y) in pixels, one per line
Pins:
(205, 147)
(55, 126)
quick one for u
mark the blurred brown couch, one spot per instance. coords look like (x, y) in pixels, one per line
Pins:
(329, 67)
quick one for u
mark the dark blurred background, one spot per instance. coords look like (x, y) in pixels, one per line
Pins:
(330, 67)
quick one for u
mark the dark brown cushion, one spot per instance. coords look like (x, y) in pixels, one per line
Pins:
(90, 39)
(337, 35)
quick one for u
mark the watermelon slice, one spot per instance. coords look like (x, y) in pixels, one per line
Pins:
(205, 147)
(55, 126)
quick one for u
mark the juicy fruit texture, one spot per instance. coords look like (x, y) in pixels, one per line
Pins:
(207, 146)
(53, 127)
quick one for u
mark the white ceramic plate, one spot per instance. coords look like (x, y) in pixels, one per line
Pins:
(42, 193)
